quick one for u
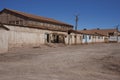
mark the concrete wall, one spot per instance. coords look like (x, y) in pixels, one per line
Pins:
(96, 39)
(92, 39)
(114, 39)
(85, 39)
(79, 39)
(119, 39)
(19, 36)
(3, 41)
(74, 39)
(18, 39)
(23, 36)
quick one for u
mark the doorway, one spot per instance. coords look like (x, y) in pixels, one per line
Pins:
(47, 38)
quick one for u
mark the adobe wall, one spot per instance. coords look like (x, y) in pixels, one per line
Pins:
(23, 36)
(3, 41)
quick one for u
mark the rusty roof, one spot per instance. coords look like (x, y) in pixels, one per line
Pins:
(35, 17)
(99, 31)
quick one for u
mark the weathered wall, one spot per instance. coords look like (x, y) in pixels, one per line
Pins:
(12, 18)
(6, 17)
(92, 39)
(79, 39)
(21, 36)
(114, 38)
(74, 39)
(18, 39)
(3, 41)
(85, 39)
(99, 38)
(119, 39)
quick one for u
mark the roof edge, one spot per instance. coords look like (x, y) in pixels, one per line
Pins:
(53, 20)
(2, 25)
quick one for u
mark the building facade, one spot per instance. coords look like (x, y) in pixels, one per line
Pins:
(100, 35)
(18, 29)
(13, 17)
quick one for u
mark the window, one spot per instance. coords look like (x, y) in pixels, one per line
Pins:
(21, 22)
(83, 36)
(89, 37)
(98, 37)
(17, 22)
(11, 22)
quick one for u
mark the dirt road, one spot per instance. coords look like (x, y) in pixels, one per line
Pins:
(80, 62)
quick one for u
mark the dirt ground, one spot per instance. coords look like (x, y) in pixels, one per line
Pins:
(78, 62)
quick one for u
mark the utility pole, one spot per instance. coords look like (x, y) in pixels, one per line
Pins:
(76, 22)
(117, 31)
(76, 26)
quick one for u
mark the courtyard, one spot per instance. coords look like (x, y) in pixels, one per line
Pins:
(99, 61)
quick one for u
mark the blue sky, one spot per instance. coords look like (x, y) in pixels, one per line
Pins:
(92, 13)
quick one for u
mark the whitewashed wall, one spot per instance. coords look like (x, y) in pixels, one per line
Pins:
(79, 39)
(92, 39)
(119, 39)
(3, 40)
(23, 36)
(74, 39)
(97, 39)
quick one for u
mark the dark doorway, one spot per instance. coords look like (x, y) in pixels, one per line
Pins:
(57, 40)
(48, 38)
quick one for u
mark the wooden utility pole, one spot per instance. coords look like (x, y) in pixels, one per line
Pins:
(117, 31)
(76, 26)
(76, 22)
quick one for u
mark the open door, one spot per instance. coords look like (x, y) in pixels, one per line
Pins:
(47, 38)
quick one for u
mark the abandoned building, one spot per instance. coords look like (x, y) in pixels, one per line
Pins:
(19, 29)
(100, 35)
